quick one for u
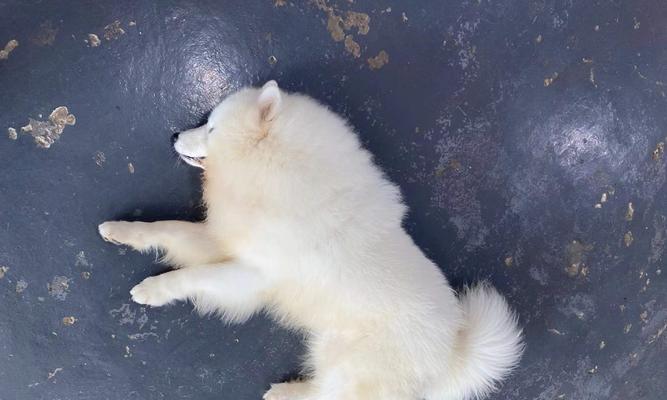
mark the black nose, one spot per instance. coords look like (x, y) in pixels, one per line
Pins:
(174, 138)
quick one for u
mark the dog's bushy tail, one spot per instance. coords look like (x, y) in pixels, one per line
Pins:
(488, 347)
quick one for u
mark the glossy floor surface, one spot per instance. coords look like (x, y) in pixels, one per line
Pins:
(528, 138)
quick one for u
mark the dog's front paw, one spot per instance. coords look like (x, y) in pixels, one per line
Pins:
(123, 232)
(286, 391)
(152, 291)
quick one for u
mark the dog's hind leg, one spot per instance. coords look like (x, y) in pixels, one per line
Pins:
(233, 290)
(183, 243)
(363, 365)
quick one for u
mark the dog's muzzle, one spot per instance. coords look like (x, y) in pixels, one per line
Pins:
(194, 161)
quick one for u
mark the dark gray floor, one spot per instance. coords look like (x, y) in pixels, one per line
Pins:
(506, 124)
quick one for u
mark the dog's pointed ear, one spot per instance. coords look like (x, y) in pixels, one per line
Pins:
(269, 101)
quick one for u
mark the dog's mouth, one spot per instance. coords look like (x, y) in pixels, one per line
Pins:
(194, 161)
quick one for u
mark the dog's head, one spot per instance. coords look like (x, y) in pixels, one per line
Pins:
(239, 123)
(266, 137)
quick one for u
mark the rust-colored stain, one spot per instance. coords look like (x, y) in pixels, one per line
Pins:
(509, 261)
(630, 213)
(69, 321)
(628, 238)
(339, 26)
(9, 47)
(335, 28)
(378, 61)
(46, 34)
(550, 79)
(352, 47)
(279, 3)
(45, 133)
(113, 31)
(357, 20)
(93, 40)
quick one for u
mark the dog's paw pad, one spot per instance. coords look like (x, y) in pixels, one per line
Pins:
(151, 292)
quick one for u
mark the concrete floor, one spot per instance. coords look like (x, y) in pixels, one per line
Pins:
(527, 137)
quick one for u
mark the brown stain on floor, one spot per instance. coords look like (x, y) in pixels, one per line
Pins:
(113, 31)
(358, 20)
(378, 61)
(550, 79)
(45, 133)
(339, 25)
(628, 238)
(334, 27)
(93, 40)
(352, 47)
(9, 47)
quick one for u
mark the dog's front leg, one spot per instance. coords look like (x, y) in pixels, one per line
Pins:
(295, 390)
(233, 289)
(184, 243)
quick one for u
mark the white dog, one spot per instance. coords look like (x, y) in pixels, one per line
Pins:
(302, 225)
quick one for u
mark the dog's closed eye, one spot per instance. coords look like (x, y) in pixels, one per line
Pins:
(210, 130)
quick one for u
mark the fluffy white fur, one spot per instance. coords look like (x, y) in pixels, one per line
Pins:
(301, 224)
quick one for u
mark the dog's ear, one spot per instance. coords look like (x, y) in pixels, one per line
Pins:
(269, 101)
